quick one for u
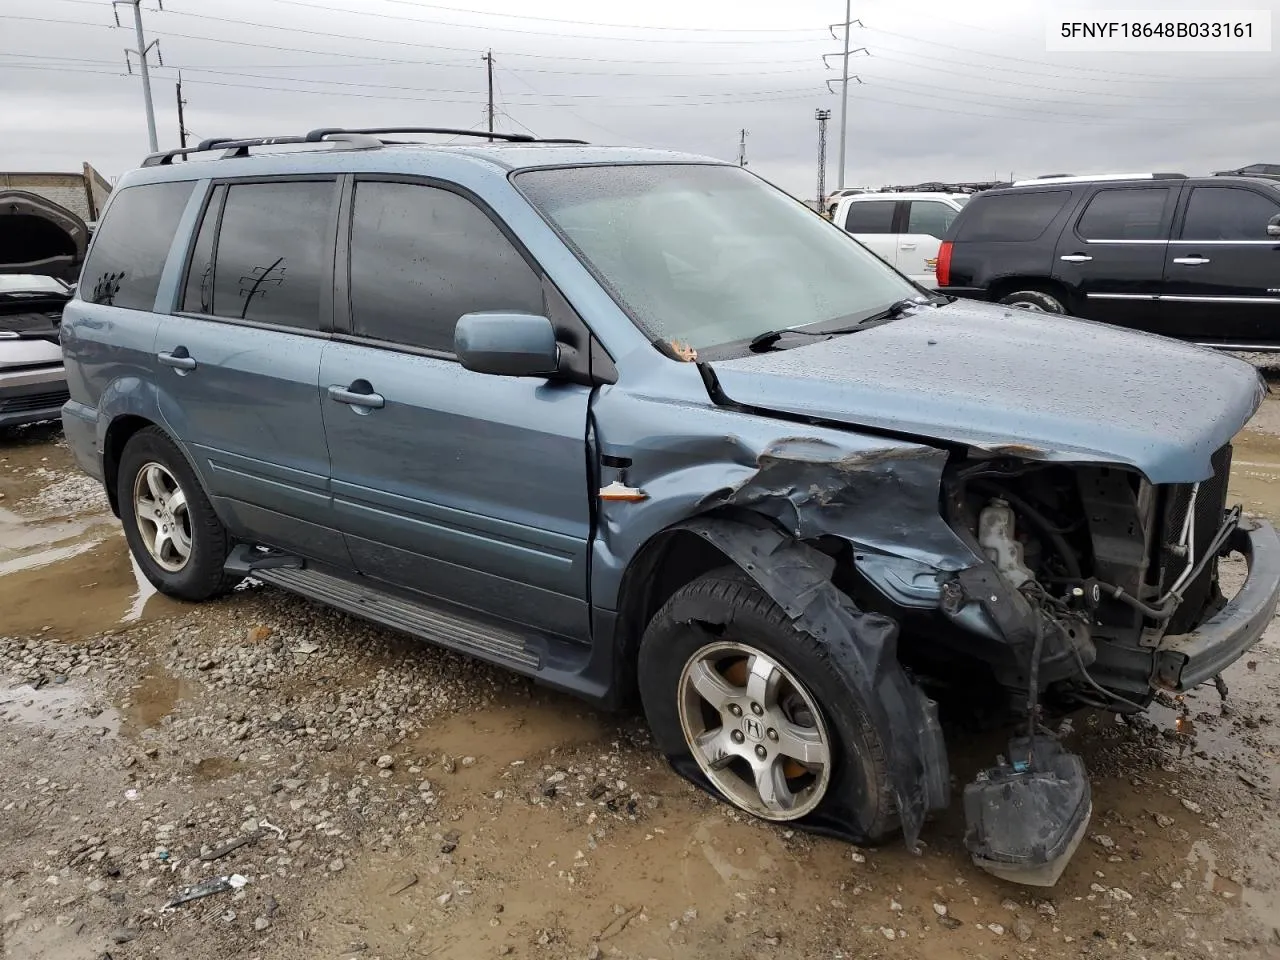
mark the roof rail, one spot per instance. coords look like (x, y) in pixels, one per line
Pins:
(325, 132)
(232, 147)
(1099, 176)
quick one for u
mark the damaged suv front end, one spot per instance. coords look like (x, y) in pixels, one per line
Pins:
(930, 489)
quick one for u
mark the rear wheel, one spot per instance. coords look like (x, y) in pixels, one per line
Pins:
(172, 530)
(1035, 300)
(732, 689)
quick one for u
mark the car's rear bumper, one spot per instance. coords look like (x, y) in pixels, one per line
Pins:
(30, 395)
(1188, 660)
(80, 428)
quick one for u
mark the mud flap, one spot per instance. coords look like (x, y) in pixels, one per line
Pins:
(863, 653)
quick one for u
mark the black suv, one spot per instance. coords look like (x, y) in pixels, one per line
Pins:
(1195, 258)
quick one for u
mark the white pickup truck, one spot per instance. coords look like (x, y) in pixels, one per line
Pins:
(903, 229)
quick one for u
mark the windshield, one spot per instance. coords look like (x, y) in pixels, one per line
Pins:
(704, 255)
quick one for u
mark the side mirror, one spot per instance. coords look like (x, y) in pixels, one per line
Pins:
(1273, 226)
(507, 344)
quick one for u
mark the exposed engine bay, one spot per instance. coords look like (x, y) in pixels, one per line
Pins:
(1094, 565)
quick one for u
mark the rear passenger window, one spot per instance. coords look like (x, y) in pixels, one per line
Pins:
(1125, 215)
(1227, 213)
(421, 257)
(132, 244)
(1011, 216)
(870, 216)
(931, 218)
(268, 260)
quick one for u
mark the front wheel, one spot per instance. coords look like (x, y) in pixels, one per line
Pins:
(172, 530)
(734, 691)
(1035, 300)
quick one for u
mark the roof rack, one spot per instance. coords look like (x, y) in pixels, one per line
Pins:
(232, 147)
(1269, 170)
(325, 132)
(1055, 178)
(362, 139)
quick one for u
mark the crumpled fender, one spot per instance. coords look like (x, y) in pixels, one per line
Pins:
(863, 652)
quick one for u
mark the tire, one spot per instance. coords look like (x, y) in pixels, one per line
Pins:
(1035, 300)
(725, 621)
(190, 563)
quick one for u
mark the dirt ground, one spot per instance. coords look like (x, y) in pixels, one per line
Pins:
(370, 797)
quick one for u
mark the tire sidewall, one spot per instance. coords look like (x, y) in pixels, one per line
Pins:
(208, 551)
(857, 791)
(1044, 302)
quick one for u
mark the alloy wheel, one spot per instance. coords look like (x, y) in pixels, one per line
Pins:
(755, 731)
(160, 511)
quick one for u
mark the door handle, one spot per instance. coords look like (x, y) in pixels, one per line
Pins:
(372, 401)
(179, 359)
(1192, 261)
(1076, 258)
(908, 246)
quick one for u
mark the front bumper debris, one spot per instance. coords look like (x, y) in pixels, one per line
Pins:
(1187, 660)
(1026, 817)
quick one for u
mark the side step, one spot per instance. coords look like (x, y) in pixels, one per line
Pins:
(446, 629)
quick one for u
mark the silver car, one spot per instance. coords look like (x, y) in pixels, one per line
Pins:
(33, 384)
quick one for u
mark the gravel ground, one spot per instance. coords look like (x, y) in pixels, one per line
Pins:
(365, 796)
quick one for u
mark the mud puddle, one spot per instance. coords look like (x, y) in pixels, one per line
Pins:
(77, 590)
(56, 708)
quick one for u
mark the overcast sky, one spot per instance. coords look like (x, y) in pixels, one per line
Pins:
(950, 91)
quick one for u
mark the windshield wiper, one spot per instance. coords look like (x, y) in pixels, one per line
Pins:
(763, 341)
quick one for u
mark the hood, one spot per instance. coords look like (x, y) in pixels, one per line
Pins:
(18, 354)
(1047, 388)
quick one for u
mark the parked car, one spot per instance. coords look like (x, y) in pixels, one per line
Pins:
(905, 230)
(1197, 258)
(33, 385)
(628, 421)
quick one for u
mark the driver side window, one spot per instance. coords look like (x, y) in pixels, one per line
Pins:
(421, 257)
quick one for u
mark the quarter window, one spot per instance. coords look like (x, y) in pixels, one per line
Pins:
(129, 253)
(1227, 213)
(1015, 216)
(870, 216)
(267, 264)
(421, 257)
(1125, 215)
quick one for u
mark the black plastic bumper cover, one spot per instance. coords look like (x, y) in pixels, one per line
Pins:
(1187, 660)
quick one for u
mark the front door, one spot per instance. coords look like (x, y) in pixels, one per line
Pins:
(1111, 255)
(466, 487)
(238, 363)
(1222, 272)
(874, 224)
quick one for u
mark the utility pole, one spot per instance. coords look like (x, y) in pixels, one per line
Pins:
(143, 50)
(742, 147)
(845, 54)
(488, 59)
(182, 124)
(822, 117)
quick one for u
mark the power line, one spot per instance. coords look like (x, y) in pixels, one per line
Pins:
(465, 26)
(588, 23)
(1000, 56)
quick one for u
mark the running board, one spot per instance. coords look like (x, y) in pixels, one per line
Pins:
(429, 623)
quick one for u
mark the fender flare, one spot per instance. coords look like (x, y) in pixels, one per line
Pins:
(863, 652)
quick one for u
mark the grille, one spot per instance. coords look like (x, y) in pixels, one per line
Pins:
(1210, 504)
(34, 401)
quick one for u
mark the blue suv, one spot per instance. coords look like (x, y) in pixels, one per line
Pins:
(629, 421)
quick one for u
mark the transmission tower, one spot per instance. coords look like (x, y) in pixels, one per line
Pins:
(822, 116)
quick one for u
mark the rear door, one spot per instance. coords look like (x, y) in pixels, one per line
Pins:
(875, 224)
(1222, 272)
(1111, 255)
(239, 360)
(469, 488)
(927, 223)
